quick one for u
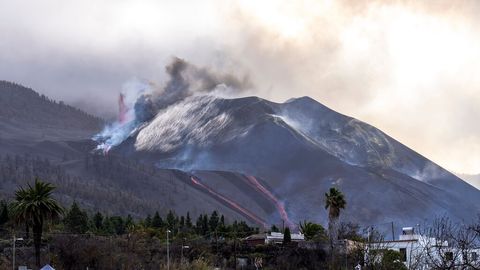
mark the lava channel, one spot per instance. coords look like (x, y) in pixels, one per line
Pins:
(231, 203)
(279, 205)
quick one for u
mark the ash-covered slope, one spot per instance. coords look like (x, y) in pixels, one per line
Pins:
(301, 148)
(26, 115)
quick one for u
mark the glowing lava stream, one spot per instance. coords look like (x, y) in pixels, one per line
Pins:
(230, 202)
(281, 209)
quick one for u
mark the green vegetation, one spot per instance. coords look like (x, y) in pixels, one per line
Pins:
(312, 231)
(34, 206)
(76, 239)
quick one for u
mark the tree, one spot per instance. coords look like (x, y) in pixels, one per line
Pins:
(4, 215)
(118, 225)
(129, 223)
(188, 221)
(108, 226)
(157, 221)
(76, 220)
(392, 260)
(148, 221)
(287, 237)
(171, 220)
(213, 222)
(334, 202)
(34, 205)
(274, 229)
(98, 221)
(311, 230)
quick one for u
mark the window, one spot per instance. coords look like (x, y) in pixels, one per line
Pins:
(449, 256)
(474, 256)
(403, 254)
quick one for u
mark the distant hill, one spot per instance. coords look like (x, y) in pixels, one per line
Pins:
(25, 114)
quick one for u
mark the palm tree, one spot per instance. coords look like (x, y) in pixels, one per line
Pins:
(334, 202)
(311, 230)
(34, 206)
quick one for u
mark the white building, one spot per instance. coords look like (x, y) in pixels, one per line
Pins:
(423, 252)
(272, 238)
(277, 238)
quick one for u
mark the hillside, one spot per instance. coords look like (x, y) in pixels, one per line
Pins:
(25, 114)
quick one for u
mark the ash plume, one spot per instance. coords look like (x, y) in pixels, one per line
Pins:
(140, 101)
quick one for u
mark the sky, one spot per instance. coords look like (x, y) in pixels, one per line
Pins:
(410, 68)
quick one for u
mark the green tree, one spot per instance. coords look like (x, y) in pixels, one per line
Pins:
(188, 221)
(129, 223)
(98, 221)
(76, 220)
(4, 215)
(334, 202)
(213, 222)
(287, 237)
(312, 230)
(171, 220)
(148, 221)
(222, 221)
(108, 226)
(392, 260)
(157, 221)
(205, 225)
(118, 225)
(198, 225)
(34, 205)
(182, 222)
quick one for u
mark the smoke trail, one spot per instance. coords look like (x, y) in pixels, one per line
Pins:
(141, 101)
(231, 203)
(122, 109)
(279, 205)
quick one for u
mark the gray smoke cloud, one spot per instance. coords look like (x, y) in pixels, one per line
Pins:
(140, 101)
(407, 67)
(186, 79)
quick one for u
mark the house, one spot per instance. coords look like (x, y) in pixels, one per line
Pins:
(277, 238)
(271, 238)
(423, 252)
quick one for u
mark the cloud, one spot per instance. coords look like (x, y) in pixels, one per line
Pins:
(407, 67)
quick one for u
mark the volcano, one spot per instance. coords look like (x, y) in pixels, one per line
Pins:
(248, 158)
(299, 149)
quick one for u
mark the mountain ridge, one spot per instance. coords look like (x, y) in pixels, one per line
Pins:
(28, 115)
(274, 160)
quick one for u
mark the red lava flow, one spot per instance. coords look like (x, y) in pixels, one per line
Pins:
(230, 202)
(279, 205)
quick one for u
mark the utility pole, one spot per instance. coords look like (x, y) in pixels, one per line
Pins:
(393, 232)
(14, 241)
(235, 248)
(13, 264)
(181, 253)
(168, 251)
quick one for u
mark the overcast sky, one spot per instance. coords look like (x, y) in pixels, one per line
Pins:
(409, 68)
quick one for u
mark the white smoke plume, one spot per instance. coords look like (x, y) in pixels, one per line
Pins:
(140, 101)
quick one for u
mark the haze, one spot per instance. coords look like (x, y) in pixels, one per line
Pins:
(408, 68)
